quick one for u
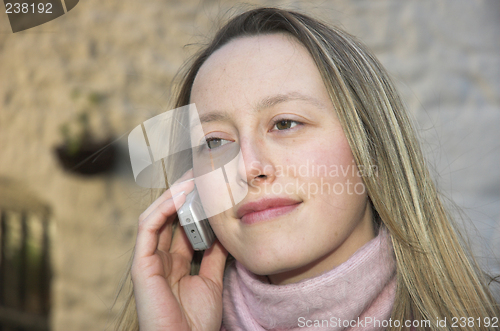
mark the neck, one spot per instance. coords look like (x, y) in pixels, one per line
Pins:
(362, 288)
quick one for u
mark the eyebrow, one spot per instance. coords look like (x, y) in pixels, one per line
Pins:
(265, 103)
(280, 98)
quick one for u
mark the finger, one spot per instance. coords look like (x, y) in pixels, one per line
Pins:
(165, 234)
(213, 263)
(181, 244)
(185, 183)
(147, 234)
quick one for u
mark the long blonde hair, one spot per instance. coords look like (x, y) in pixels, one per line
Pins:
(436, 275)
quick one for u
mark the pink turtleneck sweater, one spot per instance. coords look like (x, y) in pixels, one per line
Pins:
(359, 292)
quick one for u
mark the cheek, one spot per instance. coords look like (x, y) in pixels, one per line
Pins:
(206, 185)
(220, 226)
(330, 180)
(325, 161)
(230, 235)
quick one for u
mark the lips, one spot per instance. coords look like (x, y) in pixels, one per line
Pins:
(265, 209)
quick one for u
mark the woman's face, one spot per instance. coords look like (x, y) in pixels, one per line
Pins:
(266, 94)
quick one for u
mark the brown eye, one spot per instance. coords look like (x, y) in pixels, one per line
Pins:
(285, 124)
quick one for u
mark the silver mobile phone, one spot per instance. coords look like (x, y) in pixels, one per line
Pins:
(195, 223)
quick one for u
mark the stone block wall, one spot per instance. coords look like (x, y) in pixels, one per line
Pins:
(118, 59)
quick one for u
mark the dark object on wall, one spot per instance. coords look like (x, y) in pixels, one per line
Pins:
(82, 151)
(91, 158)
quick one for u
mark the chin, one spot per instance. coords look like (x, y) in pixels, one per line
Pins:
(266, 264)
(265, 269)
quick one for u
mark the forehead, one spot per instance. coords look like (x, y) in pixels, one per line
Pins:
(249, 51)
(248, 69)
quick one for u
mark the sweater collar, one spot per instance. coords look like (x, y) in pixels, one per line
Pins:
(363, 287)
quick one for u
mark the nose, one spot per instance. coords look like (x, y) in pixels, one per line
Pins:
(257, 167)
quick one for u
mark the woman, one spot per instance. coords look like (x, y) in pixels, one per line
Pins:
(363, 239)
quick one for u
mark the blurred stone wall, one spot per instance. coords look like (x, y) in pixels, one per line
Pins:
(117, 59)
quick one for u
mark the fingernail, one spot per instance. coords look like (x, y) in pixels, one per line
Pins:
(178, 194)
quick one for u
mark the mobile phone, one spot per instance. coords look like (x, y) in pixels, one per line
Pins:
(192, 218)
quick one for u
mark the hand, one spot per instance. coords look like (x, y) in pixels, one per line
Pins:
(167, 297)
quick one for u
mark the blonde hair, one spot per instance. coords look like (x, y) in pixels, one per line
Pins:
(436, 275)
